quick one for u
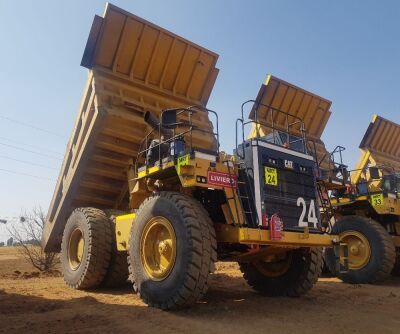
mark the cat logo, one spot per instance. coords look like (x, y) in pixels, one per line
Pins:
(288, 164)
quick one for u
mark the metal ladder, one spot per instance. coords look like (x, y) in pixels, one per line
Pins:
(242, 194)
(327, 208)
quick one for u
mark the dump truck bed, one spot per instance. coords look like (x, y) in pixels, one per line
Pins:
(382, 140)
(135, 66)
(314, 110)
(380, 146)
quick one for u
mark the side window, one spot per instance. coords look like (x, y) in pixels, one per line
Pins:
(272, 138)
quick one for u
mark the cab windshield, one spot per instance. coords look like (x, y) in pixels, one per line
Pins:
(283, 139)
(391, 183)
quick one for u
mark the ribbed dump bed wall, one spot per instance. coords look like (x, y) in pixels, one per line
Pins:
(146, 55)
(381, 144)
(382, 136)
(135, 67)
(284, 96)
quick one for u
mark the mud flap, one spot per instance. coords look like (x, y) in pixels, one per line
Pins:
(342, 262)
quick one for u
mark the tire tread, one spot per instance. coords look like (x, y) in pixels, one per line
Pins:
(99, 249)
(388, 249)
(202, 236)
(312, 268)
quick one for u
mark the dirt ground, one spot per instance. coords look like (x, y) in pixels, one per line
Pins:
(33, 303)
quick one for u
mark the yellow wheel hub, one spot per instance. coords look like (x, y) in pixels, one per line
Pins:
(276, 267)
(158, 248)
(76, 249)
(359, 249)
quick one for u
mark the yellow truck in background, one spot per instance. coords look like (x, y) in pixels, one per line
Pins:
(368, 206)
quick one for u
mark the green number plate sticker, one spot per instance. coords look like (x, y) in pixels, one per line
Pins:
(271, 176)
(182, 161)
(376, 199)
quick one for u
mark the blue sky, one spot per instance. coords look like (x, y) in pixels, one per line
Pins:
(345, 51)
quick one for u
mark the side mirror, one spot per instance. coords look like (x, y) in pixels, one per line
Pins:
(168, 119)
(374, 173)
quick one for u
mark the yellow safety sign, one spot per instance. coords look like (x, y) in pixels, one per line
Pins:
(271, 176)
(376, 199)
(182, 161)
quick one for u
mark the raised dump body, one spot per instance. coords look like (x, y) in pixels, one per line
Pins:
(135, 67)
(276, 94)
(380, 147)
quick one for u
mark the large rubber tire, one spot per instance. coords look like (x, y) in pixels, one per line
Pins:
(117, 272)
(196, 253)
(382, 251)
(396, 267)
(302, 273)
(325, 270)
(95, 230)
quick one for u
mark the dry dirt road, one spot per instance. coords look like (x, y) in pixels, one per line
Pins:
(31, 303)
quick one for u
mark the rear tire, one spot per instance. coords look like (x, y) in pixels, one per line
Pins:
(182, 279)
(371, 258)
(396, 268)
(325, 269)
(301, 274)
(117, 272)
(86, 248)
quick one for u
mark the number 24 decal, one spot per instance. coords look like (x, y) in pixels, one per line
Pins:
(311, 217)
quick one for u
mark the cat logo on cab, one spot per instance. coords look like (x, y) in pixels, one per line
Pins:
(288, 164)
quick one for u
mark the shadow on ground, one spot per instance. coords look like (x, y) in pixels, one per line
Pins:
(229, 306)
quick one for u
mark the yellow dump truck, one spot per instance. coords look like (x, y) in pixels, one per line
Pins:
(369, 207)
(145, 186)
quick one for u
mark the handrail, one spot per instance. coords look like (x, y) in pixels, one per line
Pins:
(191, 128)
(271, 125)
(367, 192)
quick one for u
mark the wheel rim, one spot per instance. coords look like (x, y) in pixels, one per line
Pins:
(76, 249)
(158, 248)
(274, 268)
(359, 249)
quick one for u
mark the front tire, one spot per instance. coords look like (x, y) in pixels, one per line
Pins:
(172, 250)
(371, 251)
(292, 276)
(86, 248)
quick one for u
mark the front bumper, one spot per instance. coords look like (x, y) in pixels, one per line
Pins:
(255, 236)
